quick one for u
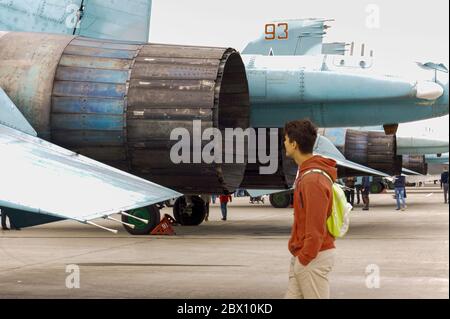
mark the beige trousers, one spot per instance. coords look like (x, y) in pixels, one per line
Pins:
(311, 281)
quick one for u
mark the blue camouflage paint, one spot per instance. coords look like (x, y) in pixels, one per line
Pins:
(89, 95)
(83, 89)
(92, 75)
(127, 20)
(84, 105)
(88, 122)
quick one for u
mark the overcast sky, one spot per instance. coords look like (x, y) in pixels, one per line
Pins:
(406, 30)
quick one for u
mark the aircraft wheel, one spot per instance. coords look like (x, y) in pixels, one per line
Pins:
(280, 200)
(150, 213)
(377, 188)
(189, 215)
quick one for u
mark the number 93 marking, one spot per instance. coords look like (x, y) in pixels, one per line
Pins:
(271, 31)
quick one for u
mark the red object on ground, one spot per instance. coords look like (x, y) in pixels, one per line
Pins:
(165, 227)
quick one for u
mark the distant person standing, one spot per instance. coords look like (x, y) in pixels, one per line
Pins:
(365, 190)
(207, 201)
(224, 200)
(444, 184)
(350, 190)
(4, 226)
(358, 188)
(400, 191)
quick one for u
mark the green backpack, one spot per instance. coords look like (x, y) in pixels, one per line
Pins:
(339, 220)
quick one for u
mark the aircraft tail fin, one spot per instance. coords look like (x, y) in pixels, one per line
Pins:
(127, 20)
(119, 20)
(290, 37)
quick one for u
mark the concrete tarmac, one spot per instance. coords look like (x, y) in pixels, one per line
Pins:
(387, 254)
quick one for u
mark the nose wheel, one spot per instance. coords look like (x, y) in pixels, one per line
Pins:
(189, 210)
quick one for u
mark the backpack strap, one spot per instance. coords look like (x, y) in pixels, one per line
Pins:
(319, 171)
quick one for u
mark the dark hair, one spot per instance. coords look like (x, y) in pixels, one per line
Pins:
(303, 132)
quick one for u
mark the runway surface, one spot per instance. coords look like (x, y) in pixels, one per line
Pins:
(245, 257)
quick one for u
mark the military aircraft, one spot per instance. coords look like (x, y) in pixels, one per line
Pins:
(435, 164)
(94, 85)
(388, 153)
(292, 73)
(367, 146)
(437, 159)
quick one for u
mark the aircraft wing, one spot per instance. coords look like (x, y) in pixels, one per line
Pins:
(326, 148)
(127, 20)
(409, 172)
(41, 182)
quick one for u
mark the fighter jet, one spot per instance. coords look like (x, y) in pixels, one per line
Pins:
(436, 163)
(91, 83)
(292, 73)
(367, 146)
(388, 153)
(437, 159)
(87, 87)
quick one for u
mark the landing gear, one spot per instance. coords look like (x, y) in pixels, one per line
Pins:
(150, 213)
(281, 200)
(390, 129)
(377, 188)
(189, 210)
(170, 203)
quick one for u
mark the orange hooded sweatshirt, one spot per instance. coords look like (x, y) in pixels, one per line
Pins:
(312, 206)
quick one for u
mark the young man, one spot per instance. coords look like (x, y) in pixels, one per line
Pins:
(311, 245)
